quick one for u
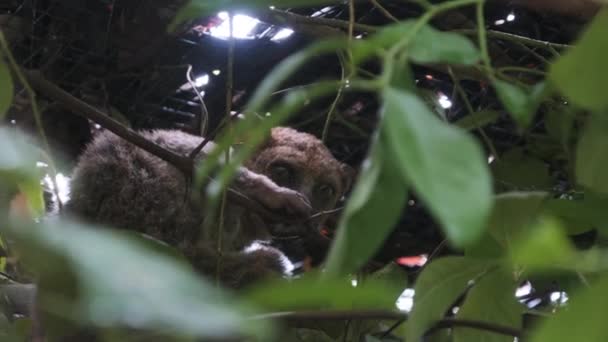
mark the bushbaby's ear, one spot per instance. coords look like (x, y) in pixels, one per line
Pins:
(348, 176)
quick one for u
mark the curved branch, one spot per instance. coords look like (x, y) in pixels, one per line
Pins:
(182, 163)
(297, 316)
(514, 38)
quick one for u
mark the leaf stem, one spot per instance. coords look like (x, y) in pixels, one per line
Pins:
(229, 91)
(482, 36)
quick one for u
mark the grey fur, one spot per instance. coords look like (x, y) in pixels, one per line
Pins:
(120, 185)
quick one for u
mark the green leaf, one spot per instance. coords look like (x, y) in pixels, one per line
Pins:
(559, 125)
(583, 320)
(18, 168)
(544, 245)
(580, 215)
(100, 277)
(199, 8)
(431, 46)
(442, 163)
(518, 171)
(491, 300)
(591, 156)
(581, 74)
(520, 103)
(438, 288)
(311, 292)
(373, 209)
(395, 276)
(427, 45)
(513, 213)
(477, 119)
(6, 88)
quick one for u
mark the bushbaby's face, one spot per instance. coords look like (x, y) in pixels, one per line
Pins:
(301, 162)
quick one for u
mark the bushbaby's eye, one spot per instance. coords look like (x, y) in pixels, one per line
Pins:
(281, 174)
(325, 191)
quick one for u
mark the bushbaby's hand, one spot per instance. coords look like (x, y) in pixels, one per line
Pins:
(287, 200)
(263, 190)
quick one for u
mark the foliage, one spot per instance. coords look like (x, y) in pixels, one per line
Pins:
(6, 84)
(509, 235)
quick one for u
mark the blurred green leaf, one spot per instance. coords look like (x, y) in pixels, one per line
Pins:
(428, 45)
(520, 103)
(582, 320)
(516, 170)
(395, 276)
(438, 288)
(581, 215)
(477, 119)
(97, 276)
(544, 244)
(431, 46)
(559, 125)
(442, 163)
(581, 74)
(200, 8)
(18, 168)
(512, 213)
(22, 328)
(591, 157)
(373, 209)
(6, 88)
(403, 77)
(486, 247)
(492, 300)
(313, 292)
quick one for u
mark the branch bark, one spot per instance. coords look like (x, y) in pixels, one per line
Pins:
(183, 163)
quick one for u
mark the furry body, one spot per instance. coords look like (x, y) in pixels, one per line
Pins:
(118, 184)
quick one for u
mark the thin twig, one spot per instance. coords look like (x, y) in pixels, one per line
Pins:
(470, 110)
(482, 37)
(339, 315)
(383, 10)
(325, 212)
(533, 53)
(507, 69)
(351, 20)
(209, 137)
(204, 112)
(333, 315)
(279, 17)
(392, 328)
(229, 91)
(515, 38)
(334, 104)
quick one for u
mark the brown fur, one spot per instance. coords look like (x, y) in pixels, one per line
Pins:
(118, 184)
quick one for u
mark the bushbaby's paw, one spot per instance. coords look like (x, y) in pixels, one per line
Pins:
(286, 200)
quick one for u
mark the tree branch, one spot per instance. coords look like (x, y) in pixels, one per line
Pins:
(297, 316)
(514, 38)
(82, 108)
(182, 163)
(282, 18)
